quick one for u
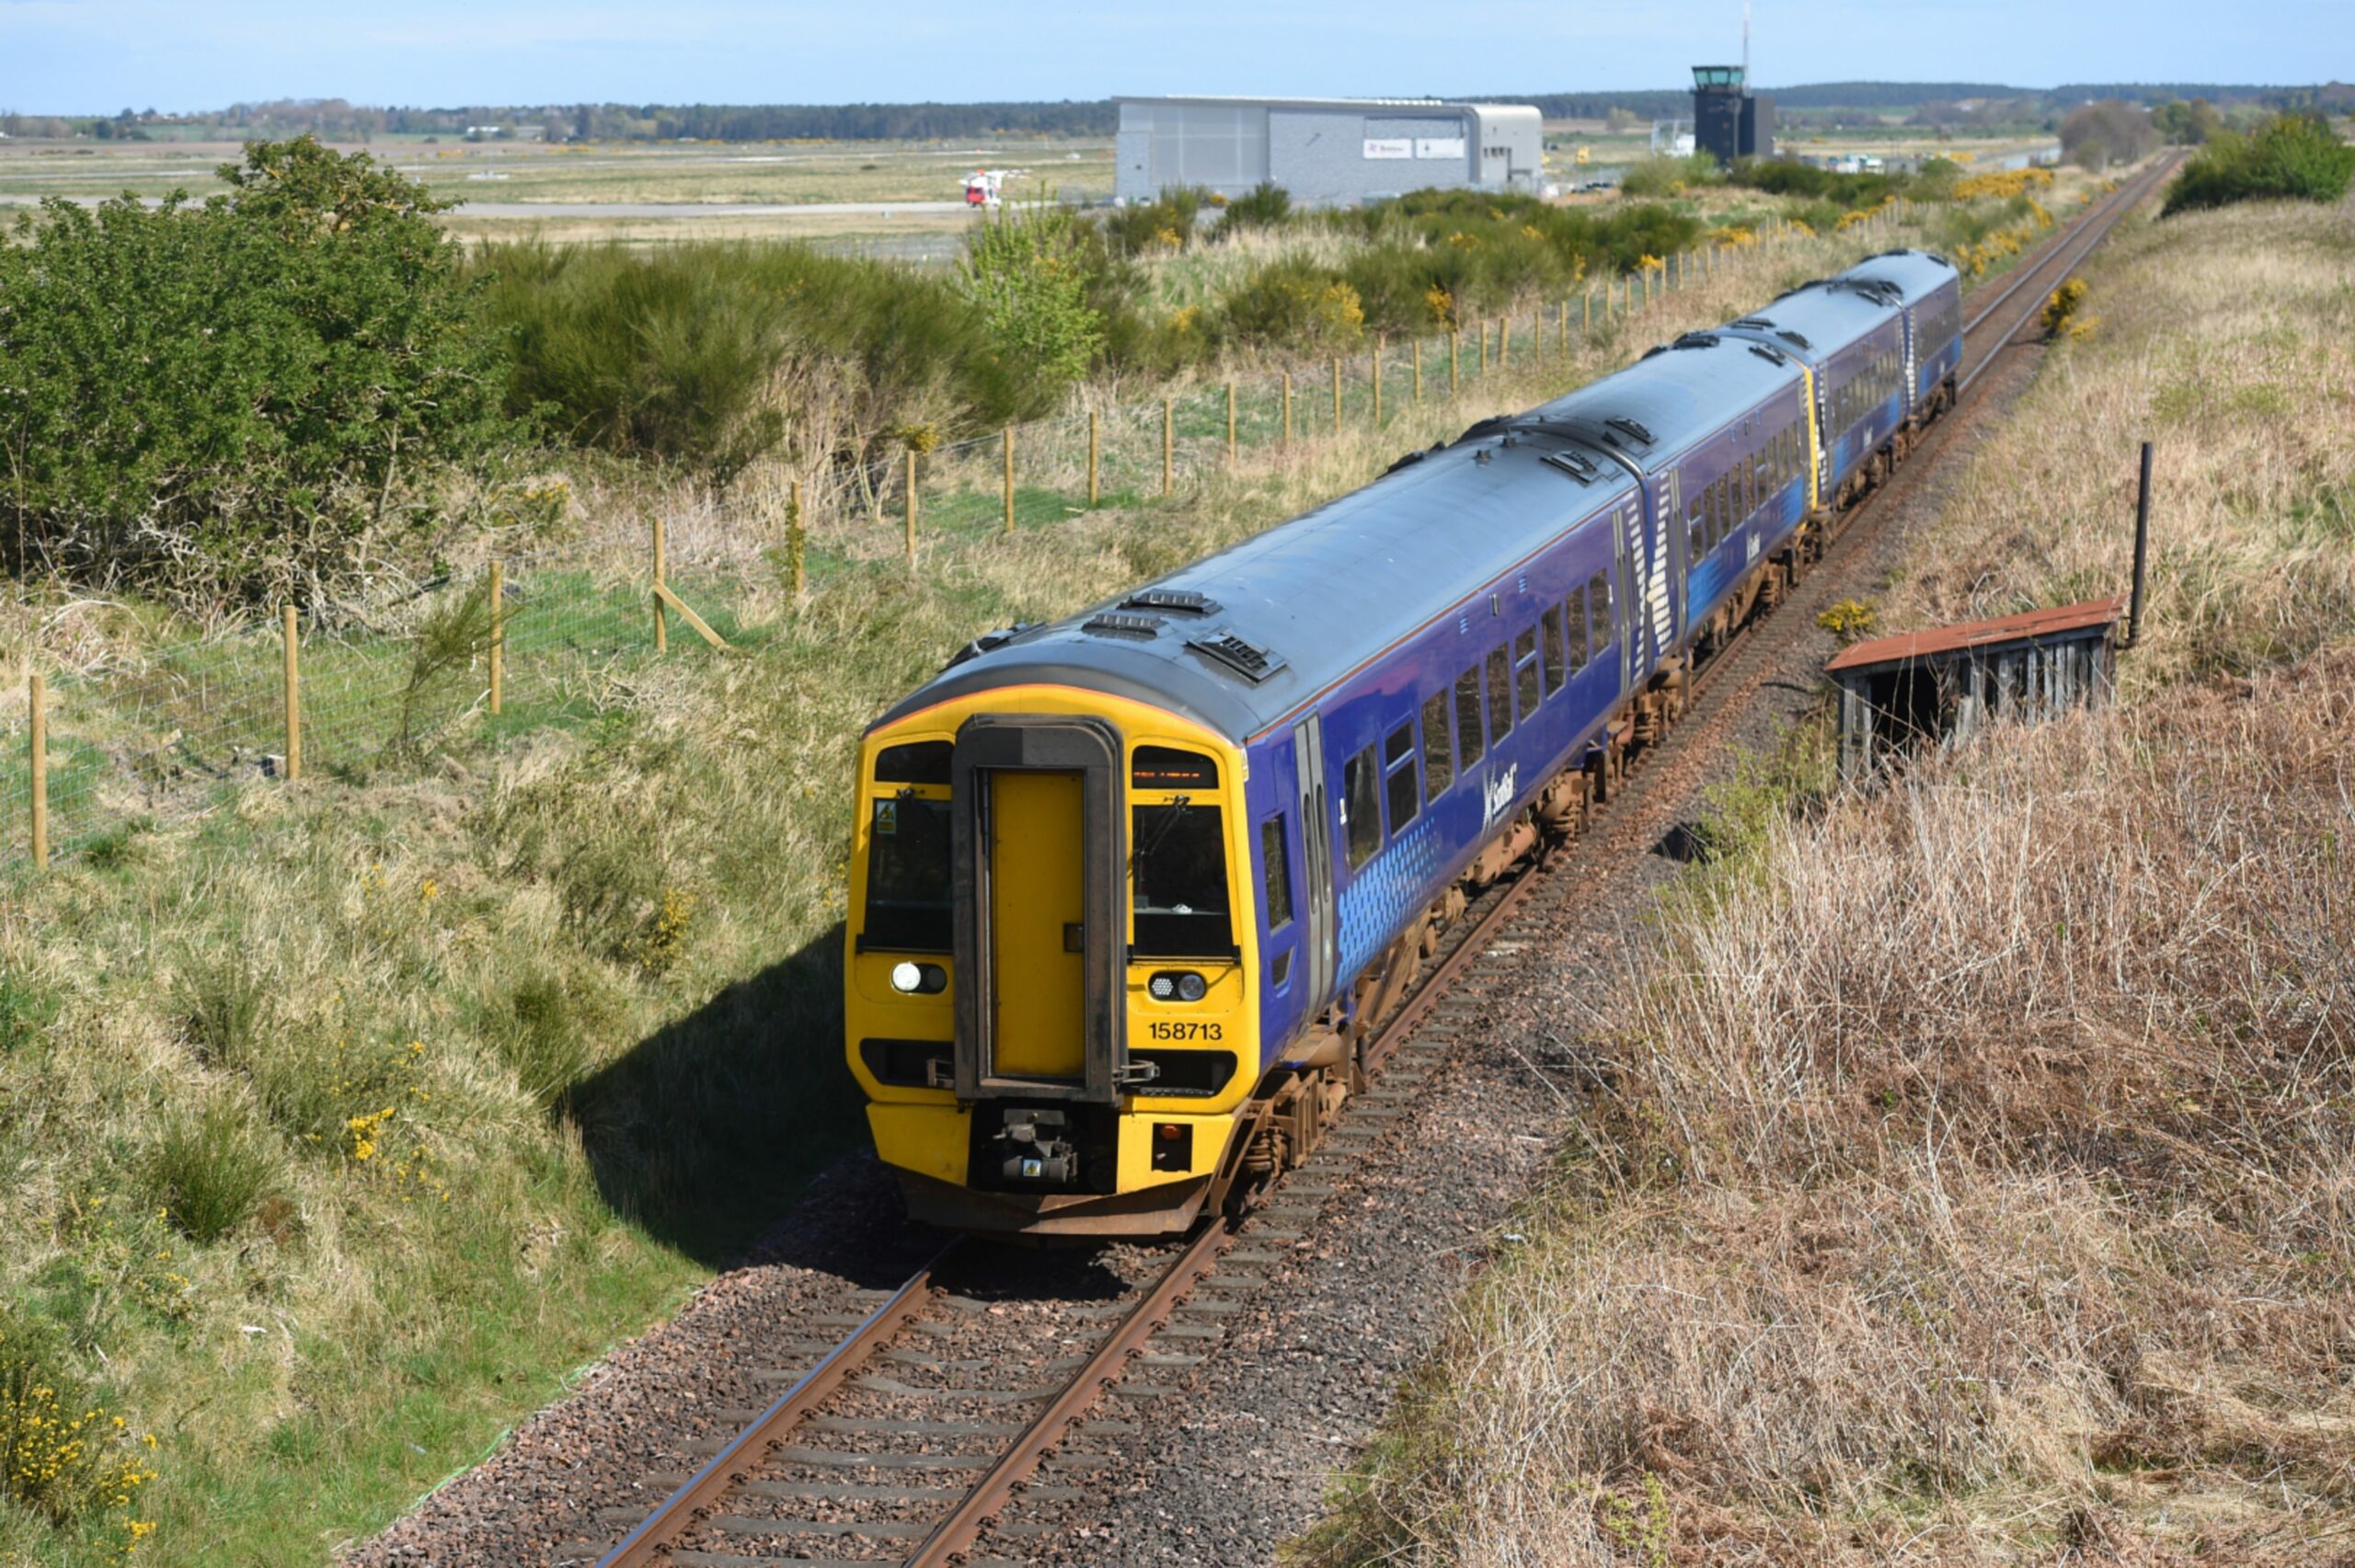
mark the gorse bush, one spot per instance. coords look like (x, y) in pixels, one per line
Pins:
(710, 354)
(1666, 177)
(62, 1456)
(2291, 157)
(223, 401)
(1266, 205)
(1157, 227)
(1294, 304)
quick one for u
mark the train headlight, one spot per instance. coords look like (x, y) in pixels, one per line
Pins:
(1177, 985)
(921, 980)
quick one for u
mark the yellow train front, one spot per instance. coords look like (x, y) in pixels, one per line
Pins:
(1046, 1000)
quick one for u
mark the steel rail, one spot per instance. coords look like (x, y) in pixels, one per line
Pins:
(956, 1534)
(649, 1542)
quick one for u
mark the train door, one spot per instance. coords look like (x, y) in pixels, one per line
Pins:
(1320, 939)
(1037, 909)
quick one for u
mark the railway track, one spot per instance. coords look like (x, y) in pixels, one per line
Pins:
(917, 1437)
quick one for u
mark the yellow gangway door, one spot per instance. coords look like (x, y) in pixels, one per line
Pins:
(1036, 904)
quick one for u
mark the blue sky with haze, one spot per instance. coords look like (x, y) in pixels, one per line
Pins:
(84, 56)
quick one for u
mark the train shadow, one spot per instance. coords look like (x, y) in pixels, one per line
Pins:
(705, 1132)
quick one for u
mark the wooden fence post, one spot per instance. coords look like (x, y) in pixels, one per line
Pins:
(1504, 342)
(1287, 441)
(661, 576)
(1418, 370)
(1484, 348)
(1231, 451)
(38, 698)
(796, 543)
(1094, 419)
(1337, 395)
(912, 505)
(1454, 362)
(497, 634)
(1168, 445)
(1377, 380)
(1562, 318)
(1586, 315)
(293, 635)
(1537, 336)
(1009, 478)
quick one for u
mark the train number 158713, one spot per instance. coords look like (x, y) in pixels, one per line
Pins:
(1160, 1029)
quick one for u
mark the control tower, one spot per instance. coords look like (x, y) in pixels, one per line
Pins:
(1730, 121)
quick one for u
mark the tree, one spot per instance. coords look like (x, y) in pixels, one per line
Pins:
(1026, 270)
(2186, 124)
(2106, 132)
(223, 400)
(2289, 157)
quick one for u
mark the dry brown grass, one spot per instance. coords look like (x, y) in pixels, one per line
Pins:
(1965, 1171)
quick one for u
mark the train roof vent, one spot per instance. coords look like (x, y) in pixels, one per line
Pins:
(1578, 465)
(1757, 323)
(1113, 623)
(1631, 428)
(1183, 600)
(1696, 340)
(1244, 658)
(1795, 340)
(1768, 351)
(987, 642)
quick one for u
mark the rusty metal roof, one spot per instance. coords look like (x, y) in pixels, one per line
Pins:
(1907, 646)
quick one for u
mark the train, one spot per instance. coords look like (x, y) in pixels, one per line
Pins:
(1131, 892)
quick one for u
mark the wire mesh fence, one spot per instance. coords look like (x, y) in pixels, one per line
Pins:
(556, 635)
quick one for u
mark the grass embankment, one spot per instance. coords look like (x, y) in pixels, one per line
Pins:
(1969, 1178)
(343, 1121)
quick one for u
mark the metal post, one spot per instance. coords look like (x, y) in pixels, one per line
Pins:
(38, 698)
(294, 695)
(912, 505)
(497, 634)
(1009, 478)
(1094, 419)
(1168, 445)
(2141, 550)
(661, 621)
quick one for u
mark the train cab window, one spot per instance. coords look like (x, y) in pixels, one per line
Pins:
(1179, 866)
(1500, 697)
(1598, 600)
(1551, 624)
(1468, 741)
(1165, 767)
(915, 762)
(1275, 873)
(1575, 608)
(1361, 806)
(1439, 761)
(1525, 669)
(1401, 790)
(907, 876)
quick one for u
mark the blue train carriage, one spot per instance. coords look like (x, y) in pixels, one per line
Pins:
(1128, 890)
(1716, 428)
(1929, 291)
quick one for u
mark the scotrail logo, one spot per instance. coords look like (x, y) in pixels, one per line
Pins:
(1499, 792)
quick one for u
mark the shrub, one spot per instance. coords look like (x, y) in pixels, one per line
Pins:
(226, 1004)
(1666, 177)
(707, 354)
(1266, 205)
(1294, 305)
(1164, 223)
(62, 1456)
(543, 1038)
(220, 400)
(209, 1171)
(1027, 271)
(2291, 157)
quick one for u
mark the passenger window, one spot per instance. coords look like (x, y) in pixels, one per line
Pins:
(1438, 761)
(1500, 697)
(1725, 507)
(1275, 873)
(1361, 808)
(1698, 534)
(1576, 609)
(1405, 794)
(1468, 743)
(1552, 623)
(1524, 666)
(1598, 599)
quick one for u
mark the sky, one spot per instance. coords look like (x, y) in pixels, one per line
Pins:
(92, 56)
